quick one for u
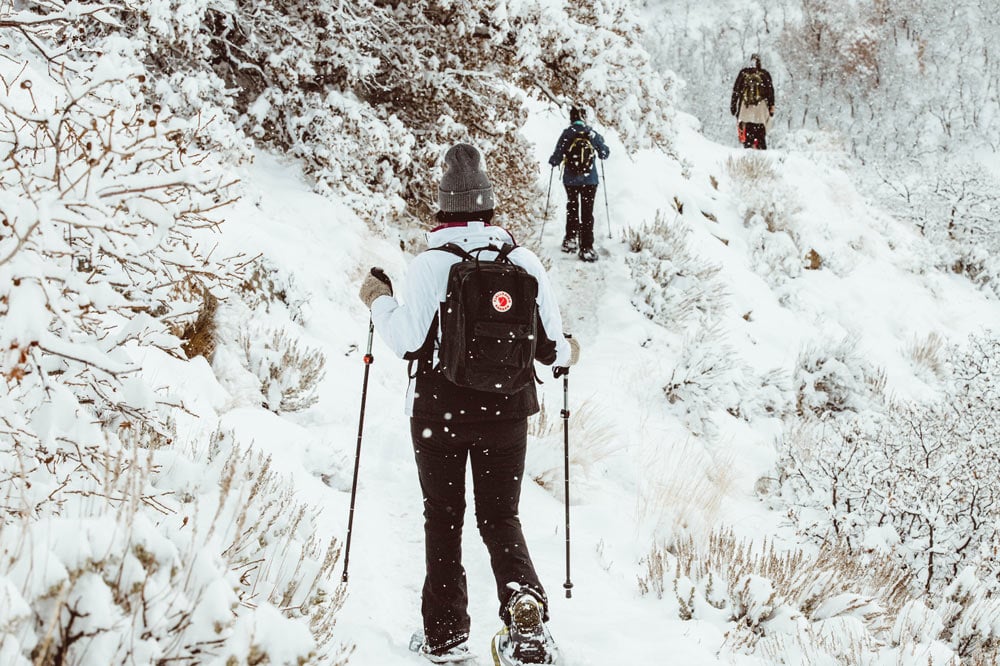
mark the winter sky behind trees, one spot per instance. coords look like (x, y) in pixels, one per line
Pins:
(784, 424)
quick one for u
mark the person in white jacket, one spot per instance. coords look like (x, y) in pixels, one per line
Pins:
(450, 424)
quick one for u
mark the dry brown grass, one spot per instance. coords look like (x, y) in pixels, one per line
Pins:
(689, 494)
(872, 588)
(200, 336)
(592, 440)
(928, 352)
(634, 237)
(751, 170)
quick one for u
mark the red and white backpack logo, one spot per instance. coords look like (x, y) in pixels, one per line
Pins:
(502, 301)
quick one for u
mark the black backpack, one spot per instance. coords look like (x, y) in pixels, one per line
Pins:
(488, 322)
(753, 87)
(580, 154)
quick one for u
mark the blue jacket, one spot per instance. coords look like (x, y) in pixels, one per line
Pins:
(570, 133)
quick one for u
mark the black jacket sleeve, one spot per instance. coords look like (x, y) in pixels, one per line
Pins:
(768, 89)
(734, 103)
(545, 347)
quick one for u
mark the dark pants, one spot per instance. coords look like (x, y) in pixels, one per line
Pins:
(580, 213)
(497, 452)
(756, 134)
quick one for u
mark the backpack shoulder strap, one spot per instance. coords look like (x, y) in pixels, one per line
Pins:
(503, 255)
(454, 249)
(502, 252)
(422, 359)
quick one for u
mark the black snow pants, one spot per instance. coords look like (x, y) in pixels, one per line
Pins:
(580, 213)
(496, 449)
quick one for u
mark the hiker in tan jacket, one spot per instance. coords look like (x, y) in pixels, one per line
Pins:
(753, 104)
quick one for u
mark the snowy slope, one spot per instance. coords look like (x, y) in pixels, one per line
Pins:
(635, 449)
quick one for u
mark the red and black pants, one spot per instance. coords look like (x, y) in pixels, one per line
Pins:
(756, 136)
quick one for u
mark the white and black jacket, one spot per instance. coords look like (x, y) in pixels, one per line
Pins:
(404, 325)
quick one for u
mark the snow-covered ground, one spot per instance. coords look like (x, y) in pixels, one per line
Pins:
(635, 458)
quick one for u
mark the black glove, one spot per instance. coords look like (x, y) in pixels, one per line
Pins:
(380, 274)
(558, 371)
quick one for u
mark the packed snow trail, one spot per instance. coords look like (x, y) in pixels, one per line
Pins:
(606, 621)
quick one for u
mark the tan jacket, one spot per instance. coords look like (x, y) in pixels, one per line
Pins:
(758, 113)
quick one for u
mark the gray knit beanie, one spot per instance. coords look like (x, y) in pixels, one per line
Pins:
(464, 187)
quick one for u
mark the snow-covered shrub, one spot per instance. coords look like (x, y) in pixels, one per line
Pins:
(107, 208)
(774, 255)
(751, 171)
(769, 208)
(918, 481)
(762, 193)
(969, 616)
(767, 394)
(709, 377)
(762, 591)
(955, 207)
(830, 378)
(265, 285)
(289, 370)
(199, 334)
(674, 286)
(156, 554)
(927, 354)
(116, 545)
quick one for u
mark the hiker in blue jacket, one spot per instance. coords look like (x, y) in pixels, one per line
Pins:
(576, 150)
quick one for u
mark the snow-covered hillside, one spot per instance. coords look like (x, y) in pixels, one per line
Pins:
(766, 346)
(645, 471)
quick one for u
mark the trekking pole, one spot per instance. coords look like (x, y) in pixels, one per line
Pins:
(607, 210)
(368, 359)
(547, 193)
(545, 217)
(568, 585)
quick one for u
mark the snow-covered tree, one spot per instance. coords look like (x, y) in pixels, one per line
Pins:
(402, 81)
(109, 205)
(893, 78)
(918, 480)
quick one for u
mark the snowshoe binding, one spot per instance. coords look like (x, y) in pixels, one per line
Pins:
(457, 654)
(527, 640)
(570, 244)
(588, 254)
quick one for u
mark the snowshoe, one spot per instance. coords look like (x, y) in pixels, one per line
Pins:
(510, 651)
(570, 244)
(588, 254)
(526, 640)
(458, 654)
